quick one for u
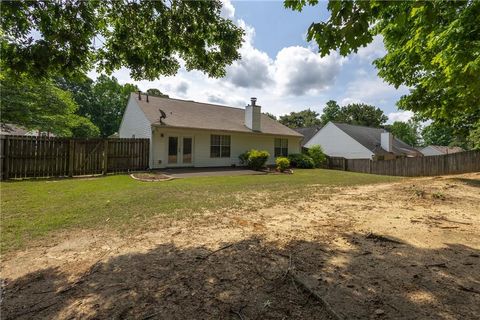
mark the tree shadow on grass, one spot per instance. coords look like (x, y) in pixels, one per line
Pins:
(249, 279)
(469, 182)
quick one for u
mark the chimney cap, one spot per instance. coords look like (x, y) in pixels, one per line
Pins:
(253, 101)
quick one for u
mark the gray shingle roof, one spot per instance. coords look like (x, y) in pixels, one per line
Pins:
(370, 139)
(447, 150)
(191, 114)
(307, 133)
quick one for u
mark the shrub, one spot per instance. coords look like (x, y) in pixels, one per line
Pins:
(282, 163)
(316, 153)
(254, 159)
(299, 160)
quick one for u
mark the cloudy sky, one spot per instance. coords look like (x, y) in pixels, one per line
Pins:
(282, 69)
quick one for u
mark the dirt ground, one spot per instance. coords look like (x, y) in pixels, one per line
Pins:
(406, 250)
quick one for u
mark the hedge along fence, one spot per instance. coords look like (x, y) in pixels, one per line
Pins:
(31, 156)
(462, 162)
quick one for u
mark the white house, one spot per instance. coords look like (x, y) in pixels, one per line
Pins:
(439, 150)
(359, 142)
(192, 134)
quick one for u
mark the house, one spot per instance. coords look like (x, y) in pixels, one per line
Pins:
(439, 150)
(10, 129)
(307, 133)
(191, 134)
(359, 142)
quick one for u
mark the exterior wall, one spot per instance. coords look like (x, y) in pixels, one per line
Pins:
(429, 151)
(135, 124)
(336, 143)
(239, 143)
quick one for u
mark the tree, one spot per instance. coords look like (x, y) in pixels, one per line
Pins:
(102, 101)
(41, 105)
(405, 131)
(439, 134)
(432, 47)
(49, 38)
(301, 119)
(157, 93)
(354, 113)
(363, 115)
(332, 112)
(473, 138)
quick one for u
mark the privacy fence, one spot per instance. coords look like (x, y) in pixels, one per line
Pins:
(24, 156)
(454, 163)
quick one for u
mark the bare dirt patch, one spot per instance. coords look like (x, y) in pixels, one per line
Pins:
(405, 250)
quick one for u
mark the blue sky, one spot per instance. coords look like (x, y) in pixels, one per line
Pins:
(282, 69)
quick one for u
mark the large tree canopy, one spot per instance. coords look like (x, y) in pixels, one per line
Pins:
(43, 106)
(49, 38)
(102, 101)
(354, 113)
(433, 47)
(301, 119)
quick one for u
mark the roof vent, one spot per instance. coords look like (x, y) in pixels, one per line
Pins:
(253, 101)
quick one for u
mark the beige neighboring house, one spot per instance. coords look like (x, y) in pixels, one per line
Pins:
(192, 134)
(439, 150)
(15, 130)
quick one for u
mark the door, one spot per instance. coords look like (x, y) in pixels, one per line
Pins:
(180, 151)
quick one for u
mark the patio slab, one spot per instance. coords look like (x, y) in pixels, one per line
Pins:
(208, 172)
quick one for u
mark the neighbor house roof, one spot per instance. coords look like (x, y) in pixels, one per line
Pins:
(12, 129)
(307, 133)
(446, 150)
(370, 139)
(191, 114)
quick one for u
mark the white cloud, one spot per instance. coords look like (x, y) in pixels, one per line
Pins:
(299, 71)
(403, 116)
(370, 90)
(374, 50)
(228, 10)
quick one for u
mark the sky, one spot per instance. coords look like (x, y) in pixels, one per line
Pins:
(281, 69)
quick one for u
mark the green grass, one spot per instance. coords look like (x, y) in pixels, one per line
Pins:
(37, 209)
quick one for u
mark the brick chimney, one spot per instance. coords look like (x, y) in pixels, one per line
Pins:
(253, 113)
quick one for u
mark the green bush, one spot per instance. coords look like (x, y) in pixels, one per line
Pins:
(254, 159)
(282, 163)
(316, 153)
(299, 160)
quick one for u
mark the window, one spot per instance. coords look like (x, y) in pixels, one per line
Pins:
(281, 147)
(219, 146)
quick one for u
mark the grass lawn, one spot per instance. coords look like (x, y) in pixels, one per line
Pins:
(35, 209)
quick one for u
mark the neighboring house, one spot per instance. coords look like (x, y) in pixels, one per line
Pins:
(192, 134)
(439, 150)
(15, 130)
(307, 133)
(359, 142)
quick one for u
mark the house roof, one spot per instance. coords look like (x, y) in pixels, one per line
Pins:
(370, 139)
(191, 114)
(307, 133)
(446, 150)
(12, 129)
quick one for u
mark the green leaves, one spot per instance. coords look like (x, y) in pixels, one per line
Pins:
(354, 113)
(67, 38)
(433, 47)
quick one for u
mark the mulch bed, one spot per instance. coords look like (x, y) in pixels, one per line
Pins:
(151, 176)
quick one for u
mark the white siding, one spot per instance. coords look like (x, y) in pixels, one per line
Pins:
(239, 143)
(429, 151)
(135, 124)
(337, 143)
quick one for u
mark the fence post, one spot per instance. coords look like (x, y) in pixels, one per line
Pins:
(6, 152)
(105, 156)
(71, 156)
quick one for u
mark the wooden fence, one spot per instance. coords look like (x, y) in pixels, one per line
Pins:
(25, 156)
(454, 163)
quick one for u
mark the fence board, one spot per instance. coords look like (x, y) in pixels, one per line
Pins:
(28, 156)
(462, 162)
